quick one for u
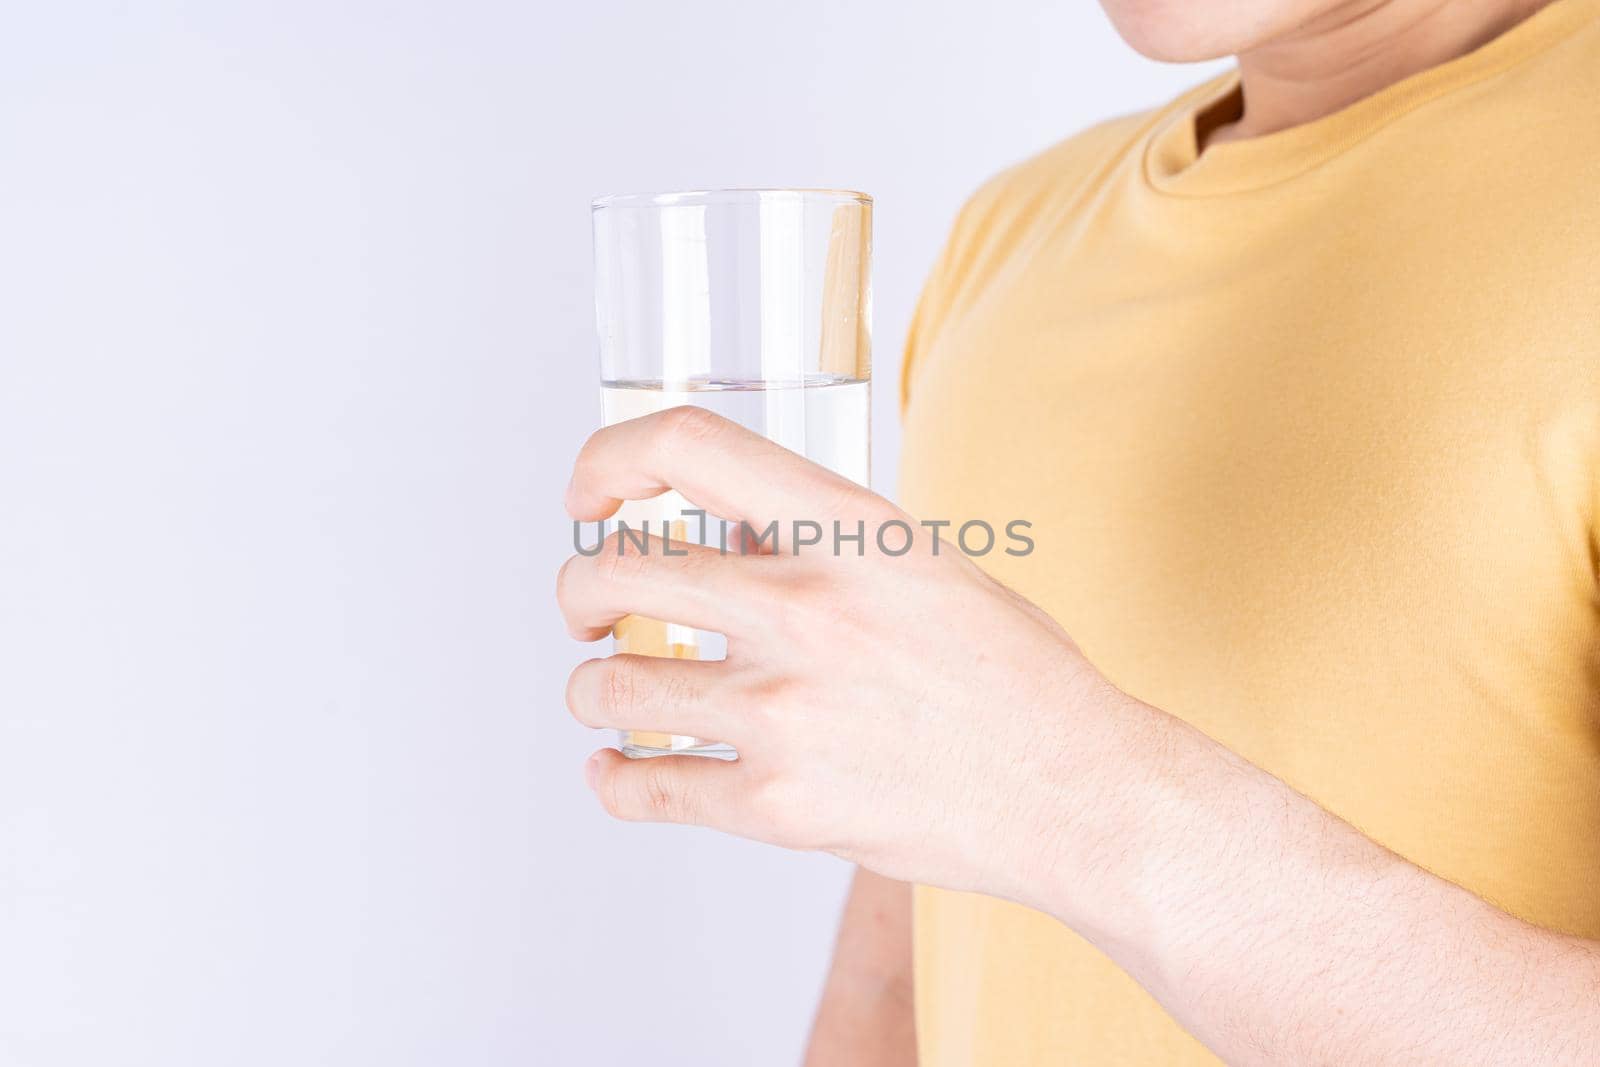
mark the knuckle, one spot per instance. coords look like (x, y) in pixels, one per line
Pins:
(845, 499)
(791, 608)
(772, 695)
(677, 691)
(691, 421)
(771, 598)
(620, 561)
(620, 692)
(688, 425)
(809, 586)
(774, 707)
(656, 794)
(778, 806)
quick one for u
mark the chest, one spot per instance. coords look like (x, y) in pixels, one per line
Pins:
(1286, 471)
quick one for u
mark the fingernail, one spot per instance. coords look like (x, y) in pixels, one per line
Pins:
(591, 769)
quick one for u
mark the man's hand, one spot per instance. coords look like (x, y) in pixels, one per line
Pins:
(897, 711)
(912, 715)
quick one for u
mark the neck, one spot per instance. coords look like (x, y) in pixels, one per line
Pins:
(1353, 51)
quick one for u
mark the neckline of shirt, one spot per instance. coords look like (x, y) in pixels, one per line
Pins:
(1173, 163)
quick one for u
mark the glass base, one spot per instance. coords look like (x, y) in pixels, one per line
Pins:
(638, 744)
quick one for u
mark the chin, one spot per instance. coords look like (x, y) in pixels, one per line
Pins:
(1190, 31)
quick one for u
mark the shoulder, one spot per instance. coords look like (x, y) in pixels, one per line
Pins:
(1008, 209)
(1009, 204)
(1047, 187)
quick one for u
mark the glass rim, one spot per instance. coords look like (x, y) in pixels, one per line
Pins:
(714, 196)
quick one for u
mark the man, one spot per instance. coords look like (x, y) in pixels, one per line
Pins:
(1298, 380)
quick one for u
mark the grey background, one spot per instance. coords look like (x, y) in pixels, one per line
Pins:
(295, 349)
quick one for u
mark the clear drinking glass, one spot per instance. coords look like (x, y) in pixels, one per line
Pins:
(756, 304)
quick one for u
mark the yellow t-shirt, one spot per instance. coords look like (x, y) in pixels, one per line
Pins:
(1308, 428)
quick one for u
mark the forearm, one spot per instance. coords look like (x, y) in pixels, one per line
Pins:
(865, 1016)
(1279, 934)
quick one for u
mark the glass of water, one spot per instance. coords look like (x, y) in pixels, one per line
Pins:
(755, 304)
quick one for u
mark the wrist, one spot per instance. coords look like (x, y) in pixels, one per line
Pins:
(1109, 781)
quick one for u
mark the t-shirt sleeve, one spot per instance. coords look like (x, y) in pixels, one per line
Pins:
(998, 213)
(925, 319)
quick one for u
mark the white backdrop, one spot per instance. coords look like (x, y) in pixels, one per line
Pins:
(295, 349)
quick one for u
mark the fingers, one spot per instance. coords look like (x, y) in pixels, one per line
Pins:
(694, 585)
(682, 789)
(671, 696)
(728, 470)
